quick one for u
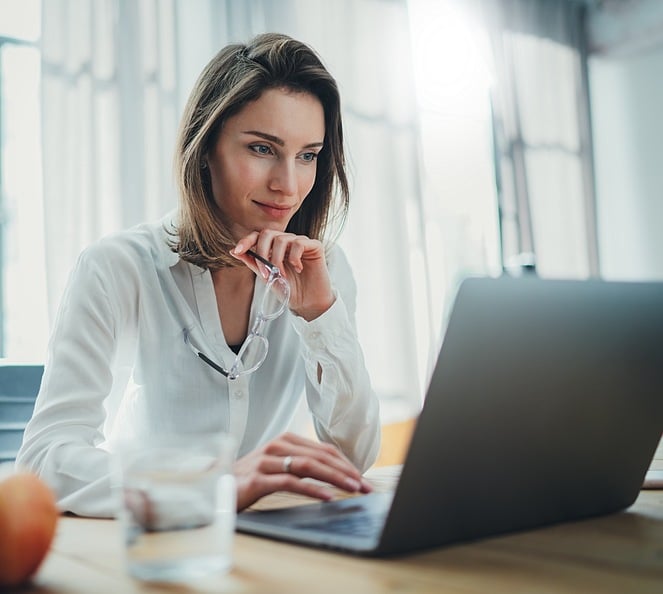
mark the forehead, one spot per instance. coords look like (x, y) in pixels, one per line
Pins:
(282, 112)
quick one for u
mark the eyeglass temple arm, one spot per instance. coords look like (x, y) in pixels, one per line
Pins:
(274, 269)
(204, 357)
(211, 363)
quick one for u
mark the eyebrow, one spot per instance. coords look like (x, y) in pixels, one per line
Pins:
(279, 141)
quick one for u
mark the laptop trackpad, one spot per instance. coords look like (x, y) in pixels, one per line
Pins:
(361, 517)
(357, 516)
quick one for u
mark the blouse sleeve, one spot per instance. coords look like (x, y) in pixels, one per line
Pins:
(61, 440)
(344, 407)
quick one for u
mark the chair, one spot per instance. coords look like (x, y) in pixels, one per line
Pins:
(19, 385)
(395, 442)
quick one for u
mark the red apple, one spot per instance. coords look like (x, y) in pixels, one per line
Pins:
(28, 517)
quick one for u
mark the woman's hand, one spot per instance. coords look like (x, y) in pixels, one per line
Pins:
(284, 463)
(301, 261)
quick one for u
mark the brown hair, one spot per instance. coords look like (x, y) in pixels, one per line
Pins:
(236, 76)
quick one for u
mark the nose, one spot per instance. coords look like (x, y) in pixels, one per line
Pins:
(284, 178)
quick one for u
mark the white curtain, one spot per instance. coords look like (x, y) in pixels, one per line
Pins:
(108, 122)
(543, 136)
(116, 74)
(459, 206)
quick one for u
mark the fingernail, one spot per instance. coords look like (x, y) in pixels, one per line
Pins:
(326, 495)
(352, 484)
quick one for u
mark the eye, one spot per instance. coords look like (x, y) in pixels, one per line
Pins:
(261, 149)
(309, 157)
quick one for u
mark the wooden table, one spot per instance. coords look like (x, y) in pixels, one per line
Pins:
(621, 553)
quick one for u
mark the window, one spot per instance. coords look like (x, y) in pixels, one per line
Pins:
(23, 321)
(453, 80)
(544, 153)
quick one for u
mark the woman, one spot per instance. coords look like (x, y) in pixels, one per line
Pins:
(164, 327)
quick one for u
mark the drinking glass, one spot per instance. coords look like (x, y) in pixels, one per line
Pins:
(176, 503)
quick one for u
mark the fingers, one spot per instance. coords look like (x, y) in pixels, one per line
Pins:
(307, 467)
(293, 445)
(304, 466)
(285, 250)
(301, 261)
(249, 490)
(311, 456)
(288, 251)
(285, 464)
(245, 243)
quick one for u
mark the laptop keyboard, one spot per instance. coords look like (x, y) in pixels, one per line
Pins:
(361, 524)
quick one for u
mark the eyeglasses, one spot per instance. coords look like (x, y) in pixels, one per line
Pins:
(253, 352)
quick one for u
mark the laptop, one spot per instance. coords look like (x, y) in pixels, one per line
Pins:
(545, 406)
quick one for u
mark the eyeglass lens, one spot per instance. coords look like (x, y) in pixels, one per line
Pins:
(251, 355)
(254, 350)
(275, 299)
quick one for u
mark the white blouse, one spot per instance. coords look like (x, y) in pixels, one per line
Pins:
(118, 366)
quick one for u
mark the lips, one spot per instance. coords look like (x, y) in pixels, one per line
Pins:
(274, 211)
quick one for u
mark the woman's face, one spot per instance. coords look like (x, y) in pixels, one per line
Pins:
(263, 164)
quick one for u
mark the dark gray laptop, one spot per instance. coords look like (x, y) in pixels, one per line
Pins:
(545, 406)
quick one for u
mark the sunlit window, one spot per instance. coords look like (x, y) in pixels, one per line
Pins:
(23, 322)
(453, 82)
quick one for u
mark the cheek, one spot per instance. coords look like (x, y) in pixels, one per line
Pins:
(306, 182)
(238, 177)
(246, 173)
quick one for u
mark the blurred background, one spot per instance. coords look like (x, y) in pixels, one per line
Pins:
(484, 137)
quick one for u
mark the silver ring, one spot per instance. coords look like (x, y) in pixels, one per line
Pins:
(287, 463)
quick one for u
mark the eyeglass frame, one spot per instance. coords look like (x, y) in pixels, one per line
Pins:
(256, 327)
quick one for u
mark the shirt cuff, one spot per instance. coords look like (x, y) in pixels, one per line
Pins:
(331, 328)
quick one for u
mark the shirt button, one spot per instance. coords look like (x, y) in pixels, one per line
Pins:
(237, 394)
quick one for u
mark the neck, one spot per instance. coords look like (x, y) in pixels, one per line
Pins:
(233, 278)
